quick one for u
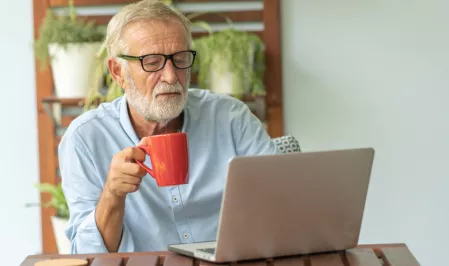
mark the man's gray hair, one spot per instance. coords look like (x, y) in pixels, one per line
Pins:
(142, 10)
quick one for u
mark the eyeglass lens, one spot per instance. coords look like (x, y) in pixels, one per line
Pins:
(156, 62)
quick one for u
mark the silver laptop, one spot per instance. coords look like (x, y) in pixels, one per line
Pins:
(289, 204)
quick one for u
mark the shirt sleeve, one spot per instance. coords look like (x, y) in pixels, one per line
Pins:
(82, 188)
(250, 135)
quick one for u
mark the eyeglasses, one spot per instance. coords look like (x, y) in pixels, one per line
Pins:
(155, 62)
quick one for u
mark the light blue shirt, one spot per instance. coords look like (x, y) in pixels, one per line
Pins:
(218, 127)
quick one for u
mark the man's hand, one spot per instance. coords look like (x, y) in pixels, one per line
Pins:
(124, 177)
(125, 174)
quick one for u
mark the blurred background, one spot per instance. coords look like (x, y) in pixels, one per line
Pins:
(334, 74)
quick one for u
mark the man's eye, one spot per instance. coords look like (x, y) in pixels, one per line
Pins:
(152, 63)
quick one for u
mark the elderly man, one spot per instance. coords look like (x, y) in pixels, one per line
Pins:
(114, 205)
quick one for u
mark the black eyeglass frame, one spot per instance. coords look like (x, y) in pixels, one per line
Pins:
(166, 57)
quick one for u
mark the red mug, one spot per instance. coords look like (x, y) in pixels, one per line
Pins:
(169, 158)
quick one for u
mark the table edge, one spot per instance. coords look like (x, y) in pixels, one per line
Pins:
(375, 247)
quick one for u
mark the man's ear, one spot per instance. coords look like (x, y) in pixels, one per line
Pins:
(116, 71)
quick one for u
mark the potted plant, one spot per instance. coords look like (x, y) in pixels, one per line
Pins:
(60, 220)
(70, 44)
(230, 61)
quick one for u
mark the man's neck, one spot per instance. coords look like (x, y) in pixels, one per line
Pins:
(144, 128)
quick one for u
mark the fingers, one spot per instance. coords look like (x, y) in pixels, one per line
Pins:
(125, 179)
(132, 154)
(123, 184)
(143, 141)
(133, 169)
(130, 180)
(128, 169)
(125, 175)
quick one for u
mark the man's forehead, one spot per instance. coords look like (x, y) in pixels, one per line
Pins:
(154, 32)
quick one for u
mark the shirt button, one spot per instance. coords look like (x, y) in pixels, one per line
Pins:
(175, 199)
(186, 236)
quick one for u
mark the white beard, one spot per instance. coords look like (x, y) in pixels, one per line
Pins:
(160, 110)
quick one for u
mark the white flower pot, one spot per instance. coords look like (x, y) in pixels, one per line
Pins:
(72, 68)
(223, 80)
(59, 227)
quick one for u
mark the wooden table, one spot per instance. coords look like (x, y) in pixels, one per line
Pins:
(363, 255)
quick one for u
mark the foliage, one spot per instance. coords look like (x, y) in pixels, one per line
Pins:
(105, 91)
(239, 52)
(65, 30)
(58, 200)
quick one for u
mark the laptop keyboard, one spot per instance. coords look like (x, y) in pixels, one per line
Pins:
(207, 250)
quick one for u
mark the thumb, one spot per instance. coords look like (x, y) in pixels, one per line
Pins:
(143, 141)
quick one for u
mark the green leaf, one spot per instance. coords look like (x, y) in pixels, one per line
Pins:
(58, 200)
(238, 52)
(65, 30)
(204, 25)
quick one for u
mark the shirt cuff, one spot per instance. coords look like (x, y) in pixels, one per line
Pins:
(89, 240)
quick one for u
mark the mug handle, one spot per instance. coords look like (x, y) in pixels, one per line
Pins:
(147, 151)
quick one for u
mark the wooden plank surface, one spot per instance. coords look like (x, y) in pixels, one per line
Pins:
(398, 257)
(210, 1)
(206, 263)
(62, 3)
(44, 88)
(252, 263)
(392, 254)
(362, 257)
(235, 16)
(66, 120)
(293, 261)
(272, 40)
(177, 260)
(215, 17)
(51, 99)
(275, 121)
(149, 260)
(201, 34)
(333, 259)
(107, 261)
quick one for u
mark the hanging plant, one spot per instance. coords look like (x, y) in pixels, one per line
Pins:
(65, 30)
(239, 55)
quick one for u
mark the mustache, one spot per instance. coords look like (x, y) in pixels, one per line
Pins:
(167, 88)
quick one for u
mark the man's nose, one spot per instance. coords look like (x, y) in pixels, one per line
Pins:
(169, 73)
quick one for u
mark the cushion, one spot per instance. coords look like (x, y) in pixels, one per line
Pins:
(287, 144)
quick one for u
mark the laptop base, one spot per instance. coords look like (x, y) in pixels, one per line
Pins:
(203, 250)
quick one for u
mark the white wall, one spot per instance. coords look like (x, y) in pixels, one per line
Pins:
(376, 73)
(20, 226)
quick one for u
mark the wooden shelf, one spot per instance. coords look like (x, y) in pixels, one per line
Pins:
(63, 101)
(240, 16)
(55, 114)
(80, 101)
(62, 3)
(63, 110)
